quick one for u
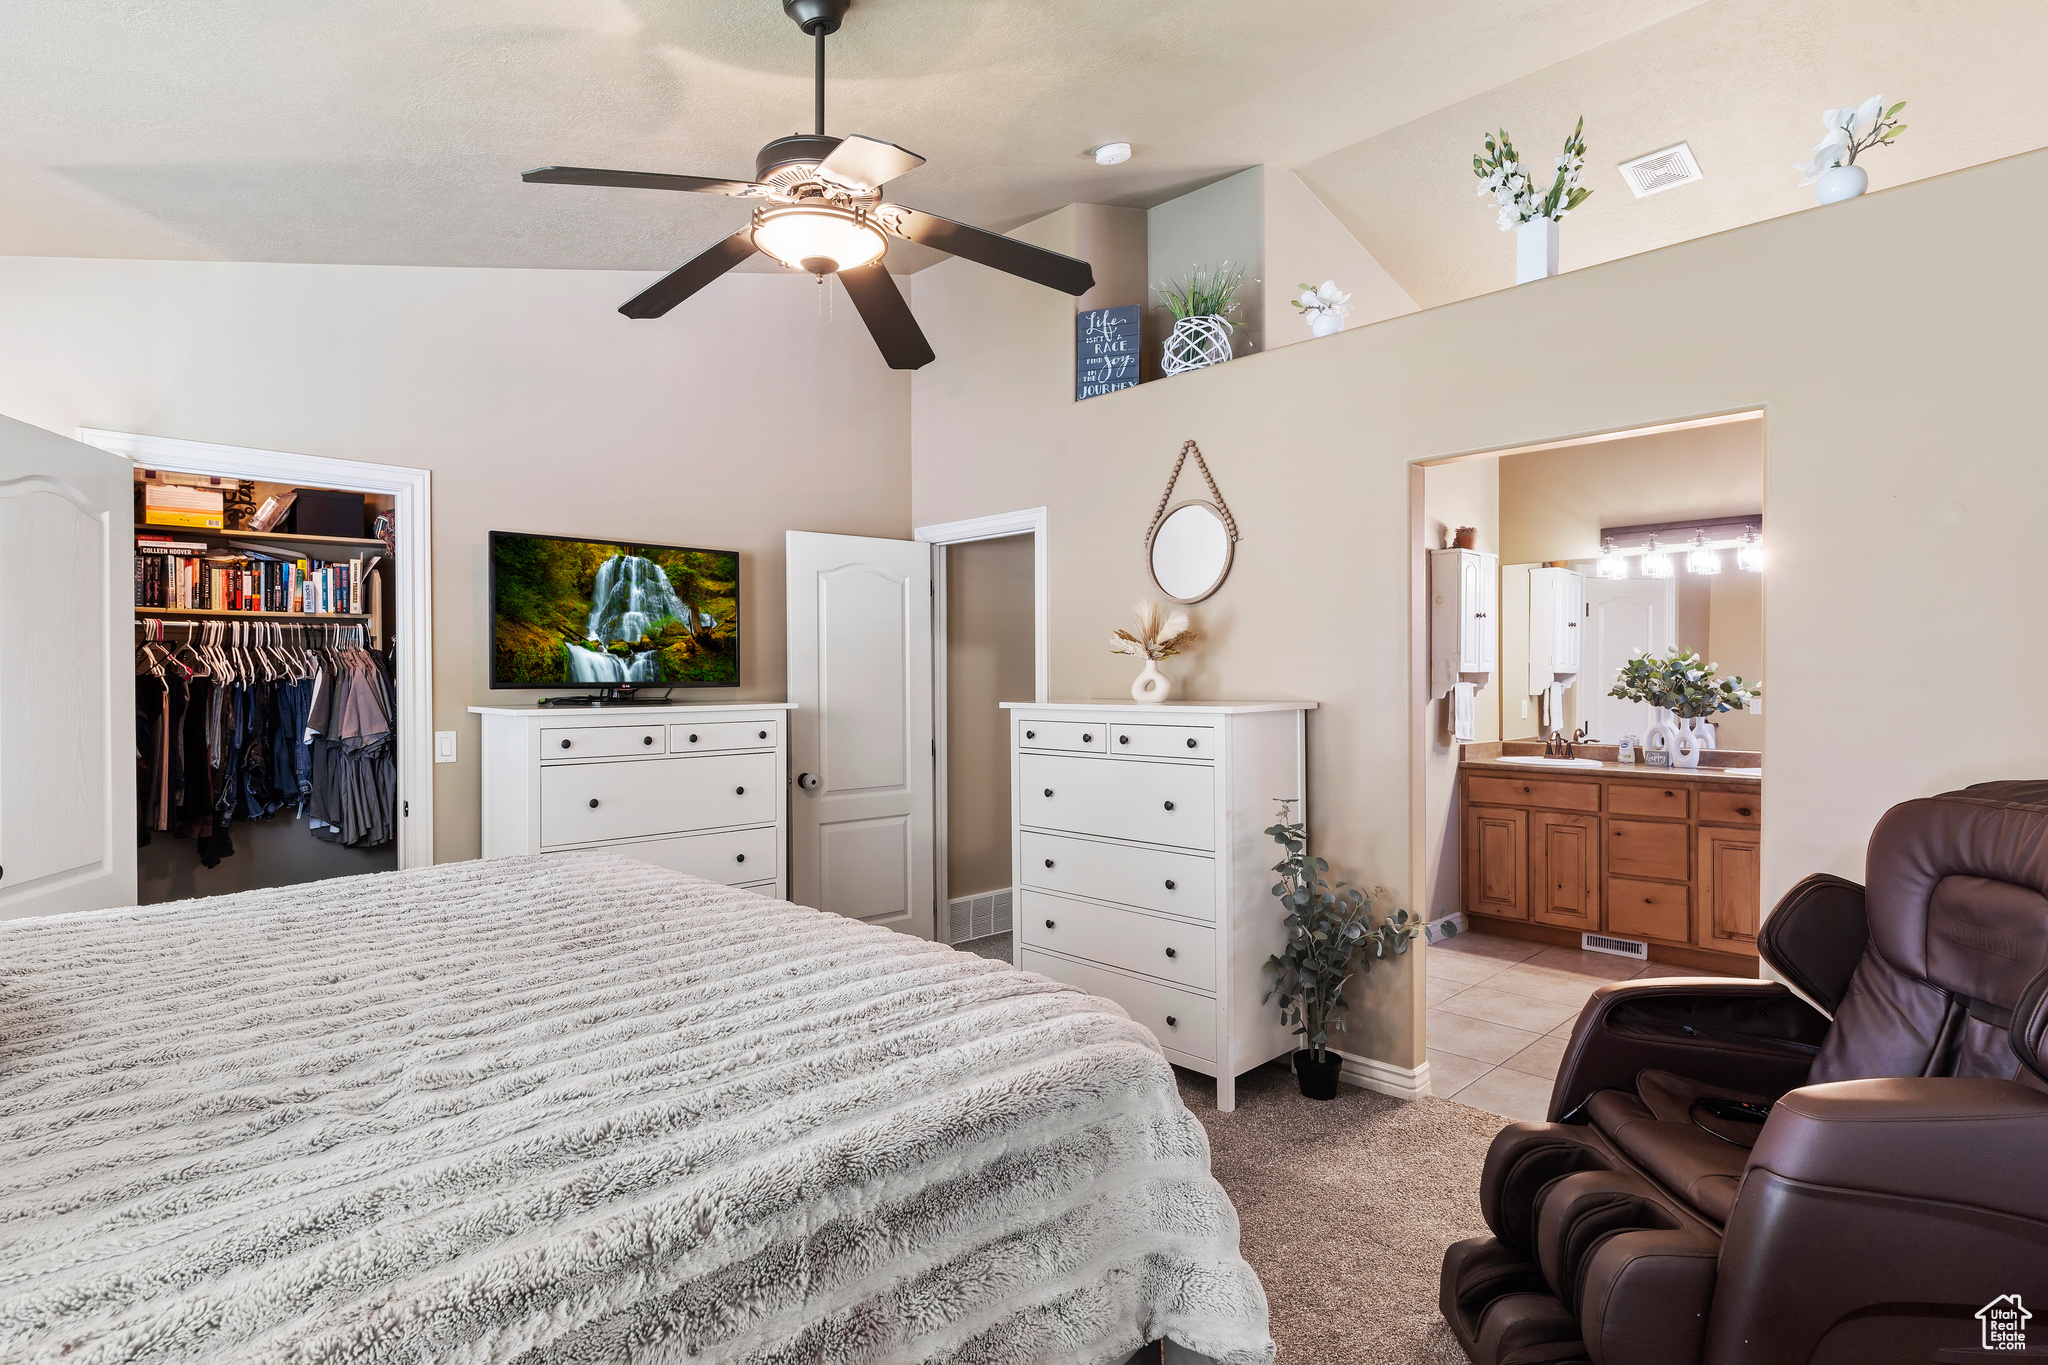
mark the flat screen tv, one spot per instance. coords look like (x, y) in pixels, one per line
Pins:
(612, 614)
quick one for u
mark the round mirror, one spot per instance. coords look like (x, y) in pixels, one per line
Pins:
(1190, 552)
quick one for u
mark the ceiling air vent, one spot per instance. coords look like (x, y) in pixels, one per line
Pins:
(1673, 166)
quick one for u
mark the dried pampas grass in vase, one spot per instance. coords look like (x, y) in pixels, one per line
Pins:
(1160, 636)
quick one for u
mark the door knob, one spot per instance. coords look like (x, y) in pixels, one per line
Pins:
(565, 744)
(1048, 862)
(739, 791)
(1169, 883)
(1171, 953)
(808, 781)
(1172, 1022)
(593, 803)
(1169, 805)
(1048, 791)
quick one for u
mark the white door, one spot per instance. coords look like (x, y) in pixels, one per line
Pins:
(1621, 615)
(67, 690)
(860, 739)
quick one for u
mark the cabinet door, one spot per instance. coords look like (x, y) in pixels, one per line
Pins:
(1571, 611)
(1564, 869)
(1472, 614)
(1731, 891)
(1496, 862)
(1488, 570)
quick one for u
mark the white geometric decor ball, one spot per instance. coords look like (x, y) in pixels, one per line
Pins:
(1196, 342)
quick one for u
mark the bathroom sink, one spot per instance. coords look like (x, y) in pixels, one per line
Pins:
(1554, 762)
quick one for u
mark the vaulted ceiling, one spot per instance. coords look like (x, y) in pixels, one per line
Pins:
(393, 131)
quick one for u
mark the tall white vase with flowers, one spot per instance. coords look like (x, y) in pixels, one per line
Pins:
(1530, 212)
(1160, 636)
(1685, 691)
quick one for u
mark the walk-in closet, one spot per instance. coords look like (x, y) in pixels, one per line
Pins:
(265, 697)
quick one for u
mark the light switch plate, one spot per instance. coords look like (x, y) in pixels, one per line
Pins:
(444, 746)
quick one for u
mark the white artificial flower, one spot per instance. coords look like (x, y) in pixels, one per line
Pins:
(1837, 120)
(1828, 153)
(1310, 301)
(1331, 296)
(1866, 117)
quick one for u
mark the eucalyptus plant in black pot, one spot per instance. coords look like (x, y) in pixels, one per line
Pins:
(1328, 927)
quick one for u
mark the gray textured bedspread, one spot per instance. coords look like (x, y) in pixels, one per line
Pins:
(579, 1108)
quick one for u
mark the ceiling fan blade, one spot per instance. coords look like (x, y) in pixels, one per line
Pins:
(647, 180)
(888, 317)
(992, 249)
(867, 163)
(672, 288)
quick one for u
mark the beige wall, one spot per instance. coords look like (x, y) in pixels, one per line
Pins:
(1224, 221)
(1735, 640)
(1936, 445)
(536, 406)
(1305, 244)
(989, 660)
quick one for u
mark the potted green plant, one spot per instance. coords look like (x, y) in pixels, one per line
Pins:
(1328, 927)
(1201, 305)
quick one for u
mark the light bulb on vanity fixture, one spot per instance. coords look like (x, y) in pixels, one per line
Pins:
(1699, 559)
(1749, 555)
(1656, 563)
(1613, 564)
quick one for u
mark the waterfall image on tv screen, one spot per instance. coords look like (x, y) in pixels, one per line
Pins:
(605, 613)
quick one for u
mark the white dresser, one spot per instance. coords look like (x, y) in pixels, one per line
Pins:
(1142, 870)
(701, 789)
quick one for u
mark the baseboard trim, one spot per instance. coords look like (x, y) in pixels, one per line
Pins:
(1369, 1073)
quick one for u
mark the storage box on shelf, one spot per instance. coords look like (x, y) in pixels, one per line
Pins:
(1142, 869)
(700, 789)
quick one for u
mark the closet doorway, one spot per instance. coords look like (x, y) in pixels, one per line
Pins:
(989, 647)
(286, 737)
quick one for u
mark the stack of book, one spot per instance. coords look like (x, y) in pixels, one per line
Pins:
(175, 505)
(185, 576)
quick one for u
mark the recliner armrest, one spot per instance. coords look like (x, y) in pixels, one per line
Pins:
(1754, 1036)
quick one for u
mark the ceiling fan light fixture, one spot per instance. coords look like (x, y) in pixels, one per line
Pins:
(818, 240)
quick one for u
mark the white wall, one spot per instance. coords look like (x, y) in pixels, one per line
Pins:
(536, 406)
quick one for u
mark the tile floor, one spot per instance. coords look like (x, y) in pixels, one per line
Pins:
(1500, 1010)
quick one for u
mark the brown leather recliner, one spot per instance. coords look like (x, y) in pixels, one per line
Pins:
(1730, 1176)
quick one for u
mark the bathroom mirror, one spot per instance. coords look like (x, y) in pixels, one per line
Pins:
(1190, 551)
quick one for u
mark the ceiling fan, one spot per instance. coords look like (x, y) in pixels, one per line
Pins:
(822, 211)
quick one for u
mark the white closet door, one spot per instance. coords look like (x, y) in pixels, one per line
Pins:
(1620, 615)
(67, 690)
(860, 674)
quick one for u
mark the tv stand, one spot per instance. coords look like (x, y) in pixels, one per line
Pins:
(609, 696)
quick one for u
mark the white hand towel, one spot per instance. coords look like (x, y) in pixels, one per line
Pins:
(1463, 729)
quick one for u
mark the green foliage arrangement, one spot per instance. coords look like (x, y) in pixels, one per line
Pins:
(1327, 928)
(1515, 188)
(1205, 292)
(1677, 681)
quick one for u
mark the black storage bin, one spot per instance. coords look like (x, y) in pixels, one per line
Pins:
(320, 512)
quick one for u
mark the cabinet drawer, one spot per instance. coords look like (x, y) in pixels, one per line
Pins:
(1732, 808)
(584, 803)
(736, 857)
(1667, 803)
(1159, 803)
(1176, 883)
(1184, 954)
(599, 741)
(1649, 910)
(722, 734)
(1180, 1019)
(1163, 741)
(1638, 848)
(1515, 791)
(1075, 736)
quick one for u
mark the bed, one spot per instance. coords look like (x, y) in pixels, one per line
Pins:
(579, 1108)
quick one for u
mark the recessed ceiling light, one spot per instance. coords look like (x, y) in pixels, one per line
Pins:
(1111, 153)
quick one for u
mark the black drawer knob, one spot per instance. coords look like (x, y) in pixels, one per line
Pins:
(1169, 883)
(1169, 805)
(1123, 739)
(1671, 793)
(1191, 744)
(647, 739)
(1171, 953)
(1048, 791)
(1087, 739)
(739, 791)
(1048, 862)
(1742, 810)
(593, 803)
(1048, 924)
(1172, 1022)
(693, 739)
(739, 857)
(1031, 734)
(565, 744)
(764, 734)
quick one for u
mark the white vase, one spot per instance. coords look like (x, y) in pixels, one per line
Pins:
(1843, 182)
(1685, 744)
(1194, 343)
(1152, 685)
(1535, 250)
(1324, 322)
(1661, 739)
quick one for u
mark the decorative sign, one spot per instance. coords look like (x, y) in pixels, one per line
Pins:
(1105, 351)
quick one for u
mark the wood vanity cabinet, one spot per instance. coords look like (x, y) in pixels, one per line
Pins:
(1671, 860)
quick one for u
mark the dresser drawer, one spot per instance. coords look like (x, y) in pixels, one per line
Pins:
(736, 857)
(1074, 736)
(1667, 803)
(1732, 808)
(722, 734)
(586, 803)
(599, 741)
(1176, 883)
(1639, 848)
(1184, 954)
(1159, 803)
(1649, 910)
(1163, 741)
(1180, 1019)
(1516, 791)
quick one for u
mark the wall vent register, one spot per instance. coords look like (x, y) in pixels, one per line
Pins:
(1655, 172)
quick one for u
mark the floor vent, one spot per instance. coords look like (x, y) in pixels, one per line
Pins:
(978, 916)
(1620, 947)
(1659, 171)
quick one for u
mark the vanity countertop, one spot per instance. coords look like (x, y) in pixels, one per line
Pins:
(1739, 768)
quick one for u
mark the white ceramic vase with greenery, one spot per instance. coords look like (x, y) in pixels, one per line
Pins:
(1684, 691)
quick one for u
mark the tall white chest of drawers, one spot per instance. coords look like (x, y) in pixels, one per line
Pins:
(1142, 870)
(701, 789)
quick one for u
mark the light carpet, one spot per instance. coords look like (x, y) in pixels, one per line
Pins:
(1344, 1209)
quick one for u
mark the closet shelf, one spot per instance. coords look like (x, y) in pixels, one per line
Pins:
(214, 612)
(282, 537)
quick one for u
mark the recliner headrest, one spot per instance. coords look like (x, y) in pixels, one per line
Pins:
(2029, 1027)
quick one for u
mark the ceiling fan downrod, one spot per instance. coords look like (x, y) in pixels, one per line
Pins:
(820, 19)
